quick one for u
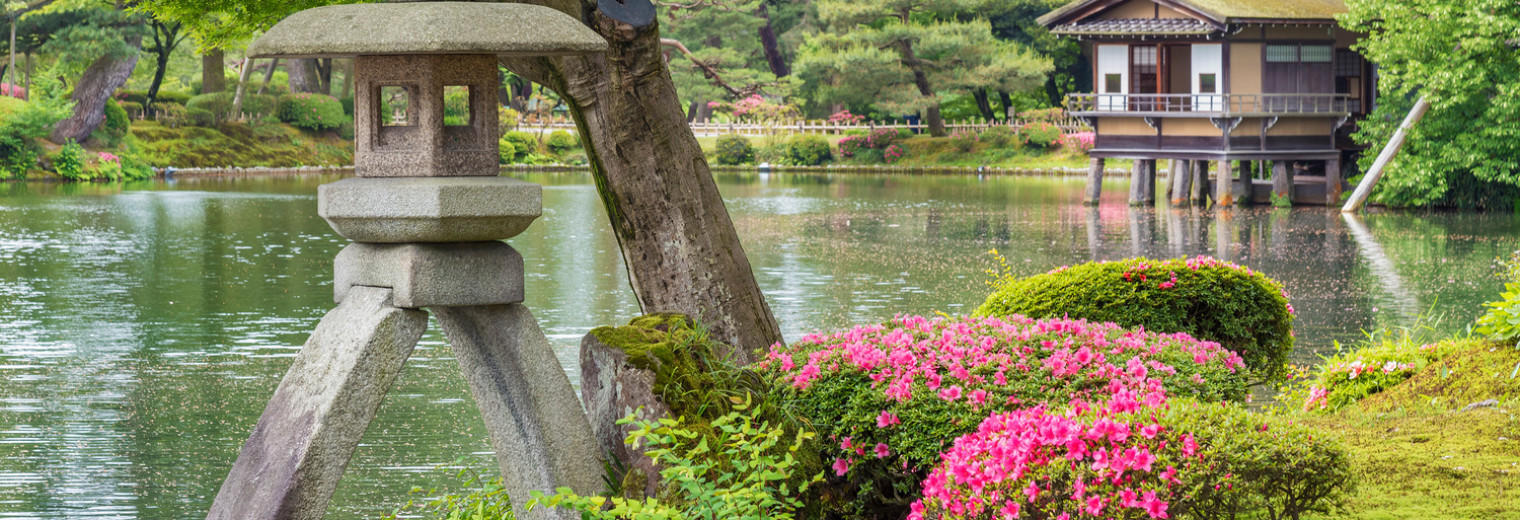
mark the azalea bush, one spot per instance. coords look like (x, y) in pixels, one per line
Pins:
(844, 117)
(1207, 298)
(1000, 136)
(1383, 359)
(889, 399)
(1124, 460)
(1041, 135)
(964, 140)
(808, 150)
(1082, 141)
(869, 147)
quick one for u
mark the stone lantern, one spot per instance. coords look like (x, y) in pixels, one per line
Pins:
(427, 214)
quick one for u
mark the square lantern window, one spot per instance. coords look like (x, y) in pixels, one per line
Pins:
(396, 106)
(456, 105)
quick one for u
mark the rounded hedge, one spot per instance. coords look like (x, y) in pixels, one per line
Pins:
(219, 104)
(561, 141)
(523, 143)
(116, 123)
(200, 117)
(1206, 298)
(1042, 135)
(809, 150)
(506, 151)
(735, 149)
(312, 111)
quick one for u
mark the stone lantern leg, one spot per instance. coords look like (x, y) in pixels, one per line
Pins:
(427, 215)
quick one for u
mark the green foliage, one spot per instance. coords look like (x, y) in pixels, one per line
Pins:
(22, 122)
(1041, 135)
(735, 149)
(1272, 466)
(1000, 136)
(311, 111)
(738, 476)
(132, 109)
(1380, 361)
(963, 140)
(200, 117)
(809, 150)
(266, 144)
(861, 59)
(1461, 55)
(456, 106)
(508, 153)
(69, 162)
(523, 144)
(1502, 321)
(507, 119)
(482, 499)
(170, 96)
(561, 141)
(1209, 299)
(348, 105)
(116, 123)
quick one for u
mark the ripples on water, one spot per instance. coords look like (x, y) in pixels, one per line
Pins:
(144, 327)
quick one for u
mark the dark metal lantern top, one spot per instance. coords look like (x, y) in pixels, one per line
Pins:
(427, 28)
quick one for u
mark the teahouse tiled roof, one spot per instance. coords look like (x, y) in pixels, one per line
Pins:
(1223, 11)
(1137, 26)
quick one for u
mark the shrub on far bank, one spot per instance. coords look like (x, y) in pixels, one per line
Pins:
(311, 111)
(809, 150)
(116, 123)
(523, 144)
(69, 162)
(1000, 136)
(1204, 297)
(734, 150)
(21, 123)
(964, 140)
(561, 141)
(1042, 135)
(506, 152)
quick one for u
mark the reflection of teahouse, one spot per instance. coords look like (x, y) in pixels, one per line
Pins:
(1230, 82)
(427, 215)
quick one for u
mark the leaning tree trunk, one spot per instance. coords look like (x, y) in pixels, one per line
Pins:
(984, 104)
(100, 80)
(679, 245)
(770, 45)
(921, 79)
(213, 75)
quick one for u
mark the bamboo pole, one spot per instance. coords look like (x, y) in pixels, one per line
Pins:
(1364, 190)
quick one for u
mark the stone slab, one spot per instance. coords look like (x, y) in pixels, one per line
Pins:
(429, 209)
(541, 437)
(432, 275)
(296, 454)
(506, 29)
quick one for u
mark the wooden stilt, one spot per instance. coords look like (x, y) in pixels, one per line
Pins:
(1094, 181)
(1282, 184)
(1182, 182)
(1136, 182)
(1200, 193)
(1333, 182)
(1244, 184)
(1223, 195)
(1148, 190)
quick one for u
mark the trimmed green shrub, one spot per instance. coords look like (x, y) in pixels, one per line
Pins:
(69, 162)
(311, 111)
(735, 149)
(1207, 298)
(999, 136)
(218, 104)
(132, 96)
(170, 114)
(116, 123)
(561, 141)
(172, 97)
(200, 117)
(523, 143)
(507, 151)
(132, 109)
(346, 130)
(1042, 135)
(259, 106)
(506, 119)
(964, 140)
(809, 150)
(348, 105)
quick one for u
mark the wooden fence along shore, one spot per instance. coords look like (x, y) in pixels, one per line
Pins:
(830, 169)
(1067, 124)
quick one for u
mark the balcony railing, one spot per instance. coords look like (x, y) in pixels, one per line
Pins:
(1214, 105)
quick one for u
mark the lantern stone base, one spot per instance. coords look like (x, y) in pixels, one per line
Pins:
(432, 275)
(429, 209)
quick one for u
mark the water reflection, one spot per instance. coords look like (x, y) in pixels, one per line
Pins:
(145, 325)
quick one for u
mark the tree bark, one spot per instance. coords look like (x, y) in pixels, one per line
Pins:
(984, 104)
(303, 75)
(679, 245)
(100, 80)
(770, 45)
(921, 79)
(213, 75)
(325, 75)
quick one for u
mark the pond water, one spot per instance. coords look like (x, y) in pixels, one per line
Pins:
(145, 326)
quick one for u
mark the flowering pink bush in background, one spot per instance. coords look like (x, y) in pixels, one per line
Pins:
(844, 117)
(1083, 141)
(7, 89)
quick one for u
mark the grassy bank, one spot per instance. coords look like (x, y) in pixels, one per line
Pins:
(236, 144)
(925, 151)
(1415, 451)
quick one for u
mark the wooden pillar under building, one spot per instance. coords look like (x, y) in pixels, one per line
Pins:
(1182, 182)
(1333, 182)
(1282, 183)
(1223, 195)
(1148, 190)
(1245, 181)
(1136, 182)
(1200, 191)
(1094, 181)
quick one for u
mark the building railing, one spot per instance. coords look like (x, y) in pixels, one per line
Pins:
(1214, 104)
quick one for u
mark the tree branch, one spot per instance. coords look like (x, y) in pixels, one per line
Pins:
(707, 70)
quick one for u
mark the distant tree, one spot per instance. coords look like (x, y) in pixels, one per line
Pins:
(725, 50)
(1463, 55)
(1014, 20)
(102, 41)
(900, 54)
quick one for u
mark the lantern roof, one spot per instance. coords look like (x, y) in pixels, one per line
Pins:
(427, 28)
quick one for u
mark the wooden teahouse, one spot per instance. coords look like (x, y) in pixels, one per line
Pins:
(1233, 83)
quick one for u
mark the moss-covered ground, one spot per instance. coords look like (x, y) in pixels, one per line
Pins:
(1417, 455)
(236, 145)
